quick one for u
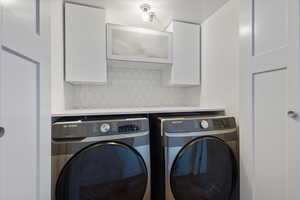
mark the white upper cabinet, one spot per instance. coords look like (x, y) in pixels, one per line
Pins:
(138, 44)
(85, 44)
(186, 54)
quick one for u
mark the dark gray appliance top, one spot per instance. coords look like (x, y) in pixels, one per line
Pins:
(84, 129)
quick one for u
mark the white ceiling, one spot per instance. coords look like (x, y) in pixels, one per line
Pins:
(127, 12)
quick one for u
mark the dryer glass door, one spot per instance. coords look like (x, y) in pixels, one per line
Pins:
(205, 169)
(103, 171)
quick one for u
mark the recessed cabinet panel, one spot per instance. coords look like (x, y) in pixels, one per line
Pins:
(186, 52)
(20, 113)
(85, 44)
(137, 44)
(270, 25)
(18, 16)
(270, 136)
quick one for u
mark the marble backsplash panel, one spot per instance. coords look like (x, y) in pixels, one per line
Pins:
(130, 87)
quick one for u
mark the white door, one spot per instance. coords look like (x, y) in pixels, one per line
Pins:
(24, 97)
(269, 89)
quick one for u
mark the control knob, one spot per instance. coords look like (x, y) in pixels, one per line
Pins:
(204, 124)
(104, 128)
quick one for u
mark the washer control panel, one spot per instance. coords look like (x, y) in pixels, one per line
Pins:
(95, 128)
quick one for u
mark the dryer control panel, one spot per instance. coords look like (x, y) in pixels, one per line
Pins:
(198, 124)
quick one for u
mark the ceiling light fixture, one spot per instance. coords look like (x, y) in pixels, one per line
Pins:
(147, 16)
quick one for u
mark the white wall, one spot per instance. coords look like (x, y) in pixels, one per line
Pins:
(57, 59)
(220, 59)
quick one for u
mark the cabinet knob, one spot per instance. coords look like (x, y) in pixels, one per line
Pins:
(2, 131)
(293, 114)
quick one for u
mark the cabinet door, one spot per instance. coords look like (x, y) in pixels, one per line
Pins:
(186, 53)
(24, 100)
(269, 99)
(138, 44)
(85, 44)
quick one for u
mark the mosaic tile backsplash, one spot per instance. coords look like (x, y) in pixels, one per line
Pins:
(130, 87)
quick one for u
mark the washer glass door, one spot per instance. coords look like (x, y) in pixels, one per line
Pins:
(205, 169)
(103, 171)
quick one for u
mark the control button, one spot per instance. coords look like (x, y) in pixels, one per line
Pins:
(204, 124)
(104, 128)
(224, 123)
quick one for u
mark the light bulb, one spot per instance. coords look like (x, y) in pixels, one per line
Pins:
(145, 16)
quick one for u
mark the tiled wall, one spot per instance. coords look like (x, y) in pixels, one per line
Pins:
(129, 87)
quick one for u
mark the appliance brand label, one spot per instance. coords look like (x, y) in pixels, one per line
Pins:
(177, 122)
(70, 126)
